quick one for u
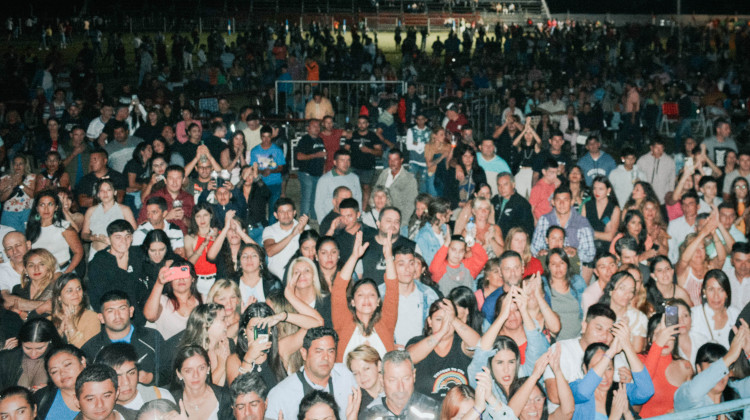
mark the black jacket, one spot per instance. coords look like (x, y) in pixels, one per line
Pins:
(44, 399)
(225, 401)
(10, 367)
(517, 213)
(153, 356)
(451, 184)
(105, 276)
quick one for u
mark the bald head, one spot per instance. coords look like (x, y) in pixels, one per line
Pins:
(16, 246)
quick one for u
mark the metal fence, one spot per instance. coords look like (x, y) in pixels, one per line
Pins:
(708, 411)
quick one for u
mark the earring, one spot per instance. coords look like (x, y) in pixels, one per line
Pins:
(37, 217)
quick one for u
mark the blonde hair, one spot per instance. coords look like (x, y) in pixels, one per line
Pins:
(279, 304)
(364, 353)
(222, 285)
(48, 261)
(526, 255)
(313, 268)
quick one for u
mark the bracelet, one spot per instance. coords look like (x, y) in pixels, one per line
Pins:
(476, 410)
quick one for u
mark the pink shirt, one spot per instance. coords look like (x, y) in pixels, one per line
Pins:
(540, 198)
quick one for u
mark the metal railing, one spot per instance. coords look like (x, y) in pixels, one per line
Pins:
(708, 411)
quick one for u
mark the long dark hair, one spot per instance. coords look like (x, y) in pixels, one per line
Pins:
(157, 235)
(34, 225)
(610, 287)
(370, 327)
(709, 353)
(733, 201)
(564, 257)
(169, 290)
(463, 296)
(460, 151)
(261, 310)
(653, 295)
(427, 329)
(182, 354)
(647, 189)
(193, 228)
(641, 239)
(503, 342)
(611, 198)
(265, 273)
(39, 330)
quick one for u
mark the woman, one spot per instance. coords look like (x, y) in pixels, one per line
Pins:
(570, 126)
(32, 298)
(47, 225)
(694, 262)
(236, 159)
(51, 140)
(458, 403)
(432, 233)
(455, 265)
(709, 385)
(466, 307)
(53, 176)
(739, 199)
(152, 127)
(322, 405)
(225, 251)
(690, 150)
(634, 226)
(206, 329)
(255, 281)
(490, 289)
(485, 231)
(462, 180)
(227, 294)
(668, 370)
(200, 398)
(518, 240)
(161, 148)
(437, 151)
(539, 309)
(592, 392)
(544, 129)
(526, 147)
(157, 249)
(663, 285)
(74, 217)
(17, 193)
(482, 190)
(379, 199)
(639, 301)
(171, 301)
(304, 278)
(564, 293)
(58, 399)
(327, 255)
(368, 319)
(20, 401)
(713, 318)
(618, 294)
(602, 212)
(444, 344)
(579, 191)
(136, 170)
(156, 176)
(419, 218)
(270, 356)
(642, 190)
(655, 226)
(201, 235)
(529, 401)
(97, 218)
(74, 321)
(364, 363)
(24, 365)
(307, 242)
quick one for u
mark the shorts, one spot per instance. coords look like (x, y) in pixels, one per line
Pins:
(366, 176)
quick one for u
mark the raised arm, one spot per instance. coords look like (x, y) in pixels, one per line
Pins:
(152, 308)
(272, 247)
(213, 251)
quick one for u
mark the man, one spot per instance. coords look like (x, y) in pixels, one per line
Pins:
(120, 149)
(682, 226)
(739, 275)
(331, 181)
(605, 266)
(365, 148)
(555, 107)
(281, 239)
(78, 154)
(626, 249)
(345, 227)
(596, 162)
(708, 188)
(511, 210)
(123, 358)
(115, 314)
(217, 143)
(742, 170)
(182, 126)
(249, 397)
(318, 107)
(659, 169)
(311, 159)
(555, 152)
(242, 118)
(556, 239)
(539, 199)
(332, 140)
(98, 169)
(373, 262)
(15, 246)
(225, 112)
(179, 202)
(595, 329)
(252, 132)
(727, 217)
(453, 121)
(122, 115)
(386, 128)
(624, 177)
(412, 104)
(511, 269)
(271, 164)
(320, 372)
(417, 138)
(511, 109)
(720, 143)
(96, 126)
(400, 183)
(339, 194)
(400, 400)
(72, 118)
(504, 135)
(492, 164)
(156, 211)
(414, 300)
(105, 273)
(199, 179)
(578, 231)
(97, 392)
(630, 127)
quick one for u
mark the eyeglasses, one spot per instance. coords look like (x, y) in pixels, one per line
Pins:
(740, 187)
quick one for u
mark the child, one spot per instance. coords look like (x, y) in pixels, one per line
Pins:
(451, 267)
(624, 177)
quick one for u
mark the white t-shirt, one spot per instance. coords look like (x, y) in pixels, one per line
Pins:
(278, 262)
(138, 401)
(373, 340)
(174, 233)
(410, 312)
(247, 291)
(8, 276)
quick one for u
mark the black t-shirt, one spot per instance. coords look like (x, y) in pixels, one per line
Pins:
(135, 167)
(216, 147)
(437, 375)
(562, 159)
(373, 262)
(345, 240)
(86, 184)
(187, 150)
(311, 146)
(361, 160)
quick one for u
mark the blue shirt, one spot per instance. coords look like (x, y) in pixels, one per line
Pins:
(694, 393)
(592, 168)
(60, 411)
(270, 158)
(497, 165)
(638, 392)
(127, 338)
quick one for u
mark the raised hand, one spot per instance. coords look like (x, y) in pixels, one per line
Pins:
(301, 225)
(388, 247)
(663, 335)
(229, 218)
(355, 399)
(360, 248)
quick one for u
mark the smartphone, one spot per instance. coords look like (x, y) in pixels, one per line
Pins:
(261, 334)
(176, 273)
(671, 315)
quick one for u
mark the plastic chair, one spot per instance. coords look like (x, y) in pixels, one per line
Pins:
(670, 115)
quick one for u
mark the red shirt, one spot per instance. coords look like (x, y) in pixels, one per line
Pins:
(187, 207)
(332, 143)
(455, 126)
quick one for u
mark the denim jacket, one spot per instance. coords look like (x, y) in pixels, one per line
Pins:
(577, 286)
(428, 297)
(428, 242)
(694, 393)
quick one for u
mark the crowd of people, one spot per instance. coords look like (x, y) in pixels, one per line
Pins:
(157, 265)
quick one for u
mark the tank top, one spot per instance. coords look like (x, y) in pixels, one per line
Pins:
(693, 286)
(100, 218)
(598, 224)
(436, 375)
(663, 400)
(202, 266)
(52, 240)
